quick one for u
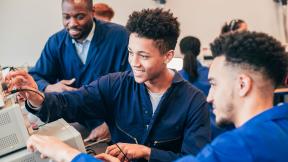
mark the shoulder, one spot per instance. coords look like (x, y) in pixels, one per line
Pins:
(228, 146)
(116, 79)
(184, 74)
(189, 94)
(58, 37)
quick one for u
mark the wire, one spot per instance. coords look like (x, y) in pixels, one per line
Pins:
(26, 89)
(125, 156)
(105, 140)
(90, 151)
(31, 90)
(11, 68)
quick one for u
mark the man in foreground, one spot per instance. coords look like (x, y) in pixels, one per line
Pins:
(247, 68)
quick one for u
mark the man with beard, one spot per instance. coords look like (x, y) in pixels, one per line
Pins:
(247, 68)
(83, 51)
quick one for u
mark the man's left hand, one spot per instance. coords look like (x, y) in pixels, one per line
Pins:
(131, 151)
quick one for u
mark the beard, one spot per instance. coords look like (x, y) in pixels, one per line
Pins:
(227, 119)
(225, 124)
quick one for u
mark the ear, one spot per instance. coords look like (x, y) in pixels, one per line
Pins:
(168, 56)
(245, 84)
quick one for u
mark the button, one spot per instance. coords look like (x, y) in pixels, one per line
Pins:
(146, 112)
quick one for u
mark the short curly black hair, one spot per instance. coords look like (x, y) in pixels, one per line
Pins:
(258, 51)
(156, 24)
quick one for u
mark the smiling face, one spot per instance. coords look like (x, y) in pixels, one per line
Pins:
(77, 18)
(222, 92)
(145, 59)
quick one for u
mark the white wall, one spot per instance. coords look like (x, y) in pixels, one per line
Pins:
(204, 18)
(26, 25)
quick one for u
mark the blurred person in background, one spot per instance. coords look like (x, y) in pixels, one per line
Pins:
(103, 12)
(234, 25)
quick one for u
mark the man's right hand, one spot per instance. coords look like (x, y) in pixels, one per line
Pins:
(51, 147)
(20, 79)
(63, 85)
(99, 133)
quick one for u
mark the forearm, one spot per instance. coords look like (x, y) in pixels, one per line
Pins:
(72, 106)
(44, 111)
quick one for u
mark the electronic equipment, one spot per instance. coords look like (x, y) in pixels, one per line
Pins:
(60, 129)
(15, 130)
(13, 133)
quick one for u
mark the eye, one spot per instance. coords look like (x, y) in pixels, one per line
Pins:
(131, 53)
(144, 57)
(212, 84)
(80, 16)
(66, 17)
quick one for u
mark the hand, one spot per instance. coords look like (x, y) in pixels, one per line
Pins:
(20, 99)
(63, 85)
(106, 158)
(51, 147)
(20, 79)
(99, 133)
(132, 151)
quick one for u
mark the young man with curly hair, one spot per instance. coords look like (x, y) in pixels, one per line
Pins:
(152, 110)
(247, 68)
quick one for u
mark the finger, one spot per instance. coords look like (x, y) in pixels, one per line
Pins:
(68, 82)
(91, 138)
(67, 88)
(15, 73)
(20, 82)
(109, 148)
(28, 93)
(16, 82)
(106, 157)
(121, 157)
(113, 151)
(34, 143)
(30, 147)
(42, 156)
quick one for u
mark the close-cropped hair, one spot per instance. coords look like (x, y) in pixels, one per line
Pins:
(156, 24)
(258, 51)
(88, 2)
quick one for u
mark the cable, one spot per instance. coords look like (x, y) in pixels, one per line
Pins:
(5, 88)
(125, 156)
(25, 89)
(11, 68)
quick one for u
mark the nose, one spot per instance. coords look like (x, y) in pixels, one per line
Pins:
(134, 61)
(209, 98)
(72, 22)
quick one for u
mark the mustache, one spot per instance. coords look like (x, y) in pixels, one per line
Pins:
(74, 28)
(139, 70)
